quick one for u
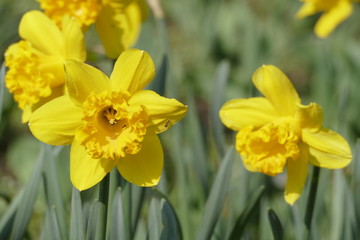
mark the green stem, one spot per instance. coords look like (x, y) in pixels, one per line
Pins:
(103, 199)
(312, 197)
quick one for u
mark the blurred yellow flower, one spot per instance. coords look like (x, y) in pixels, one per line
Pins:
(118, 22)
(277, 130)
(334, 12)
(35, 64)
(109, 122)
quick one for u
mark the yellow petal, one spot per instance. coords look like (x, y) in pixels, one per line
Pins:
(277, 88)
(329, 149)
(296, 175)
(109, 32)
(310, 116)
(53, 65)
(83, 79)
(307, 9)
(43, 33)
(133, 70)
(238, 113)
(74, 39)
(56, 121)
(164, 112)
(86, 171)
(329, 20)
(144, 168)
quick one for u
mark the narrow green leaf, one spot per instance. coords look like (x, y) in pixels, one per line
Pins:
(2, 87)
(8, 218)
(53, 192)
(117, 223)
(77, 231)
(248, 211)
(216, 101)
(217, 196)
(275, 224)
(54, 224)
(46, 229)
(137, 199)
(92, 225)
(26, 205)
(154, 221)
(170, 222)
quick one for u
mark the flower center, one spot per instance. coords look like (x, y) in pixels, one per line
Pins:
(111, 127)
(85, 11)
(23, 78)
(267, 149)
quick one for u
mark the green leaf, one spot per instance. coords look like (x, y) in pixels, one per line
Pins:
(216, 101)
(170, 222)
(117, 223)
(154, 221)
(77, 231)
(7, 220)
(248, 211)
(217, 196)
(54, 225)
(275, 224)
(26, 205)
(92, 225)
(53, 192)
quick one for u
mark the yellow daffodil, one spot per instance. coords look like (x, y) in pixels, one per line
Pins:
(109, 121)
(117, 22)
(334, 12)
(35, 64)
(277, 131)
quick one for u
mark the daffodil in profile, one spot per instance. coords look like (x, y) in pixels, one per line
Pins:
(109, 122)
(118, 22)
(276, 132)
(334, 12)
(35, 64)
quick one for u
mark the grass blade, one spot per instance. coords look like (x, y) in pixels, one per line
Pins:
(77, 231)
(7, 220)
(249, 210)
(170, 222)
(216, 199)
(276, 226)
(117, 224)
(2, 87)
(26, 205)
(92, 225)
(154, 222)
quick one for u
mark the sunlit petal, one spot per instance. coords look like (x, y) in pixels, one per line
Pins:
(56, 121)
(86, 171)
(145, 167)
(83, 79)
(164, 112)
(277, 88)
(307, 9)
(296, 175)
(310, 116)
(331, 19)
(133, 70)
(329, 149)
(74, 39)
(43, 33)
(238, 113)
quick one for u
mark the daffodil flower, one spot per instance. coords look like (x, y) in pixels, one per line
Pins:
(277, 131)
(334, 12)
(118, 22)
(110, 122)
(35, 64)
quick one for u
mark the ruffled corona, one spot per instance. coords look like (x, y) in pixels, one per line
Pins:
(85, 12)
(267, 149)
(24, 79)
(111, 127)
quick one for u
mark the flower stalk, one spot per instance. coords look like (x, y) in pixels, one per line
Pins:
(104, 199)
(312, 198)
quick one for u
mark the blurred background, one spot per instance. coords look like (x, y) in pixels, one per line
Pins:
(212, 48)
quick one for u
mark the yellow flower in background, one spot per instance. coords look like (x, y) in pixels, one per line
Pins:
(118, 22)
(277, 131)
(110, 122)
(334, 12)
(35, 64)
